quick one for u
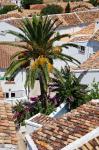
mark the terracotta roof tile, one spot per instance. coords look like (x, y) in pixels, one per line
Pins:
(91, 145)
(80, 38)
(95, 37)
(42, 119)
(70, 19)
(88, 16)
(87, 30)
(66, 129)
(91, 63)
(6, 16)
(7, 126)
(5, 54)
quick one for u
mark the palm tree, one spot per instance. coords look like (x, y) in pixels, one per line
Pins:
(37, 52)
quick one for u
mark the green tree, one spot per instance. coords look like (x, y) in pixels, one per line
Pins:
(26, 3)
(38, 53)
(7, 8)
(52, 9)
(94, 2)
(68, 9)
(68, 87)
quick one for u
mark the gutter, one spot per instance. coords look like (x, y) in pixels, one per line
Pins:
(30, 143)
(83, 140)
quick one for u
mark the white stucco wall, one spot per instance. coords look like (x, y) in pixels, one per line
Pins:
(71, 29)
(89, 76)
(74, 52)
(6, 27)
(17, 87)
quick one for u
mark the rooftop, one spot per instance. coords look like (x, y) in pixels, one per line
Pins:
(6, 52)
(62, 131)
(91, 63)
(7, 126)
(70, 19)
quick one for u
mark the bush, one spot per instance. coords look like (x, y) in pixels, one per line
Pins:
(26, 3)
(93, 91)
(52, 9)
(7, 8)
(68, 88)
(94, 2)
(25, 110)
(68, 9)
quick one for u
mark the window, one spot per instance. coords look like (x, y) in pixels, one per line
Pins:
(82, 50)
(12, 94)
(7, 95)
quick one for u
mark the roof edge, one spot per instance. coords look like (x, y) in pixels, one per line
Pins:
(83, 140)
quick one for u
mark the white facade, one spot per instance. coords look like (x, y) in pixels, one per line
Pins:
(17, 2)
(4, 36)
(14, 90)
(89, 77)
(90, 47)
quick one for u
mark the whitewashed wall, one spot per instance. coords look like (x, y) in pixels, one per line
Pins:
(5, 27)
(74, 52)
(89, 76)
(71, 29)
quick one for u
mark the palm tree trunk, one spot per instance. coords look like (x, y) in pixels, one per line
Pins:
(44, 100)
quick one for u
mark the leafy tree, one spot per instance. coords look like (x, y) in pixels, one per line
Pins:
(68, 9)
(68, 87)
(26, 3)
(38, 53)
(94, 2)
(7, 8)
(52, 9)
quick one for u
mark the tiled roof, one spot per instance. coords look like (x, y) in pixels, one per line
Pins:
(87, 30)
(15, 22)
(5, 54)
(91, 145)
(12, 15)
(95, 37)
(66, 129)
(80, 39)
(91, 63)
(88, 16)
(42, 119)
(7, 126)
(69, 19)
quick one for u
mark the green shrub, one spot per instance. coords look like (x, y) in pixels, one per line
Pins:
(94, 2)
(25, 110)
(68, 88)
(93, 91)
(26, 3)
(7, 8)
(52, 9)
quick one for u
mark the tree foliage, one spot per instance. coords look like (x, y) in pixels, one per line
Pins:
(94, 2)
(38, 52)
(7, 8)
(68, 9)
(68, 87)
(27, 3)
(52, 9)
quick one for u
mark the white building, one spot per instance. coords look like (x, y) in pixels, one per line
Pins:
(92, 67)
(17, 2)
(73, 23)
